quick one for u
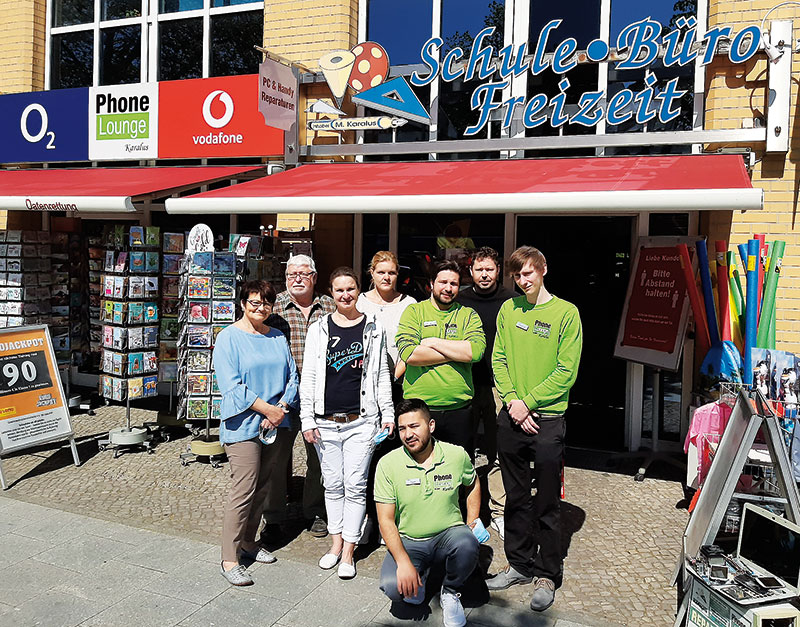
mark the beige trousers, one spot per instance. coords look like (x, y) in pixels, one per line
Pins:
(251, 465)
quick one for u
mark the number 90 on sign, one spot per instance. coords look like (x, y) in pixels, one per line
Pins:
(23, 373)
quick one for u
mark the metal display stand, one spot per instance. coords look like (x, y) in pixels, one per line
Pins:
(127, 438)
(749, 415)
(204, 447)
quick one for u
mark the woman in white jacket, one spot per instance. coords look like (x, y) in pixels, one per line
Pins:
(345, 401)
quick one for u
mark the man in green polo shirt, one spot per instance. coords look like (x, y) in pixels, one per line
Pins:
(416, 493)
(535, 362)
(439, 339)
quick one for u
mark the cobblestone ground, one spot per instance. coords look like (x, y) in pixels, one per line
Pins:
(623, 544)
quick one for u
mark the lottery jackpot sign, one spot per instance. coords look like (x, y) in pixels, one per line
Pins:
(33, 409)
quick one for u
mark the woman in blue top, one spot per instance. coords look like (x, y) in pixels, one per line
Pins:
(258, 380)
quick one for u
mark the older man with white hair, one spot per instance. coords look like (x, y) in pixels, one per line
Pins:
(294, 312)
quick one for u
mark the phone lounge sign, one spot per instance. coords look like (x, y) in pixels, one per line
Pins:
(638, 46)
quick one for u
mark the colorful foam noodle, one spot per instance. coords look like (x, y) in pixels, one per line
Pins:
(753, 251)
(723, 286)
(708, 292)
(770, 290)
(761, 266)
(701, 327)
(735, 302)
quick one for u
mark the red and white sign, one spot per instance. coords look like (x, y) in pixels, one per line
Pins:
(656, 301)
(214, 117)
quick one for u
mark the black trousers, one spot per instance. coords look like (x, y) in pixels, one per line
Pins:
(455, 426)
(532, 523)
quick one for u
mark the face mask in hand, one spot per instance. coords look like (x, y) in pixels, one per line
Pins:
(267, 436)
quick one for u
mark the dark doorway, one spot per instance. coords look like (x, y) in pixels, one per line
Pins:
(588, 262)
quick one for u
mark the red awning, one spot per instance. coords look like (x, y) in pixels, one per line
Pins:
(605, 184)
(103, 189)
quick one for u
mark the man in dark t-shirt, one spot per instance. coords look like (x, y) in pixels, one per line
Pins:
(485, 296)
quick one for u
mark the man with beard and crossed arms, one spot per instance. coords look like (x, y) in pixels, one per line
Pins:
(439, 339)
(535, 363)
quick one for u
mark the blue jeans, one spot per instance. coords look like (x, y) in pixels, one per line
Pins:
(456, 548)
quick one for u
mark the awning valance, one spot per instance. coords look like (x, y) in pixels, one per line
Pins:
(93, 190)
(600, 184)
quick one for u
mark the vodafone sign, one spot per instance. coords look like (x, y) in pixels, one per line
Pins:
(214, 117)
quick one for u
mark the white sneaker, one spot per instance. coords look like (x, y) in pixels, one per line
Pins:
(452, 610)
(499, 525)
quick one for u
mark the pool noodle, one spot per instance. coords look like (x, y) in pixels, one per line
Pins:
(770, 290)
(701, 328)
(708, 293)
(762, 255)
(752, 306)
(723, 285)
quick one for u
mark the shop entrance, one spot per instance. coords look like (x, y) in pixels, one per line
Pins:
(588, 262)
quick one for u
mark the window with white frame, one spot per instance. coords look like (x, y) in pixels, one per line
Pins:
(113, 42)
(457, 22)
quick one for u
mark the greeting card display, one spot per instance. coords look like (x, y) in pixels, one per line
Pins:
(151, 236)
(199, 312)
(130, 288)
(198, 360)
(224, 287)
(173, 243)
(199, 287)
(197, 409)
(137, 236)
(201, 263)
(224, 263)
(172, 264)
(224, 311)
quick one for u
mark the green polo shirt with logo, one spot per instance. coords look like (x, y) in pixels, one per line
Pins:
(425, 500)
(537, 352)
(448, 385)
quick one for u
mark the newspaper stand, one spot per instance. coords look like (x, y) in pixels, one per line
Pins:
(751, 412)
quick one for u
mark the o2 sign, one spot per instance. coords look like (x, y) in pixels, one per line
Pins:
(45, 126)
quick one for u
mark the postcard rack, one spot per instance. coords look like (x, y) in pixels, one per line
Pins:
(208, 305)
(130, 329)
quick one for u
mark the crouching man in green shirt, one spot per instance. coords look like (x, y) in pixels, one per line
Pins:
(416, 493)
(535, 363)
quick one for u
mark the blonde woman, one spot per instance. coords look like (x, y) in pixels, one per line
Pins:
(386, 303)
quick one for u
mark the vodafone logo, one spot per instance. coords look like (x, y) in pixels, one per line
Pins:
(220, 137)
(224, 98)
(207, 117)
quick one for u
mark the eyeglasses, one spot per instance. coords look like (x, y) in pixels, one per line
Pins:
(299, 275)
(257, 304)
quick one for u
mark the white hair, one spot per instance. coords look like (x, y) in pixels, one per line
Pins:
(301, 260)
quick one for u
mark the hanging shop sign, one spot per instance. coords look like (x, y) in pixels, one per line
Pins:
(364, 70)
(656, 309)
(214, 117)
(44, 126)
(123, 122)
(277, 94)
(375, 123)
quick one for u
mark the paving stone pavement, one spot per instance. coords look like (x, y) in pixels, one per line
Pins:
(133, 541)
